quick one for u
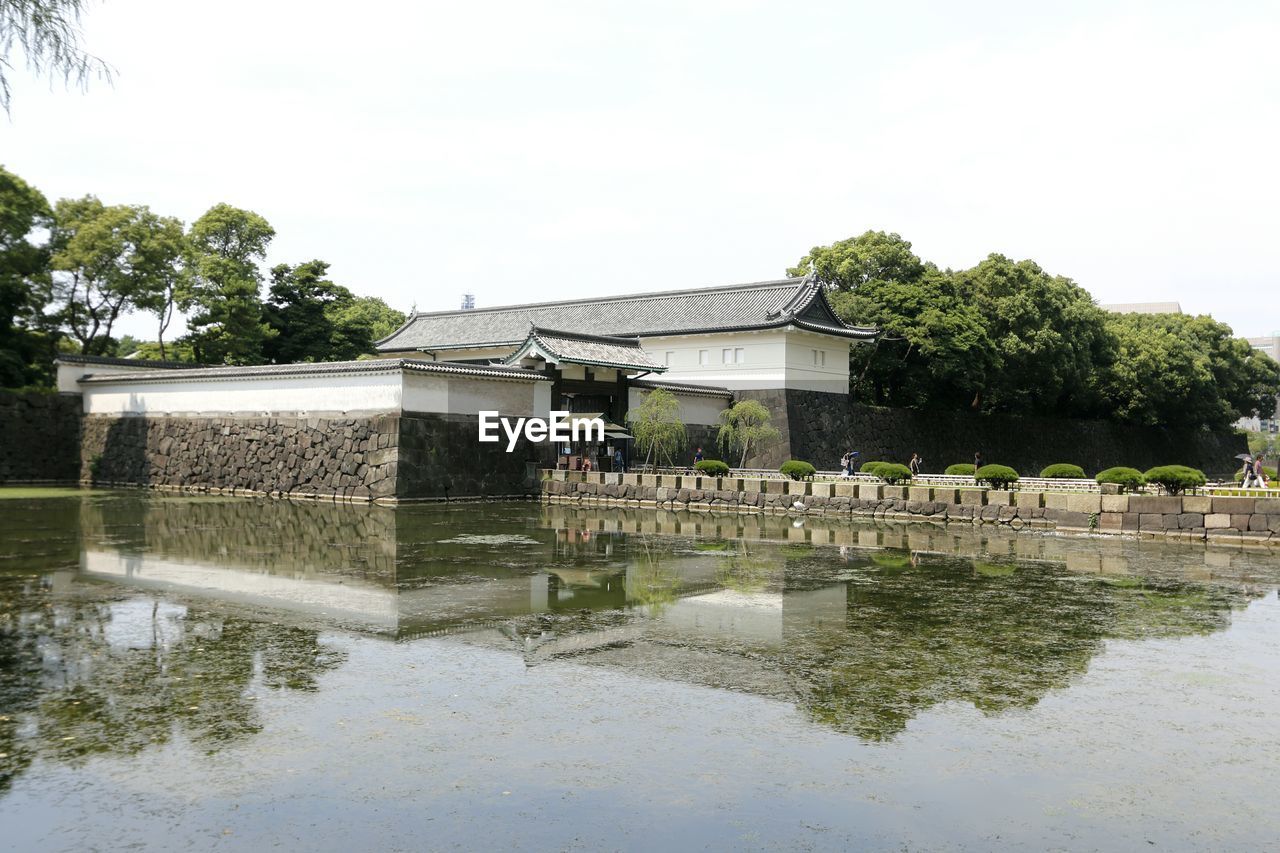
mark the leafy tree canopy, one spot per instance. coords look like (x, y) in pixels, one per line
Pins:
(225, 245)
(27, 343)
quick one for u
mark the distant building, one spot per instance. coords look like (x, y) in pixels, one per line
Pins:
(1143, 308)
(1269, 344)
(468, 301)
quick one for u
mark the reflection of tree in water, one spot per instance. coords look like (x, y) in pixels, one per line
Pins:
(980, 633)
(651, 581)
(746, 569)
(69, 692)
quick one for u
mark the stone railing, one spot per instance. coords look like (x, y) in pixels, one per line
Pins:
(1243, 520)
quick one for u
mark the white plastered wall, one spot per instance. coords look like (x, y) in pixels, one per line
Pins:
(772, 359)
(70, 373)
(314, 394)
(698, 409)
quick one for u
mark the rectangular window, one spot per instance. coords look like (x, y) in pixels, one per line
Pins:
(726, 356)
(704, 357)
(740, 356)
(668, 357)
(819, 358)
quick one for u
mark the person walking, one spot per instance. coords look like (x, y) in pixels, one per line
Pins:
(1259, 473)
(1248, 477)
(697, 456)
(977, 461)
(850, 459)
(619, 464)
(915, 464)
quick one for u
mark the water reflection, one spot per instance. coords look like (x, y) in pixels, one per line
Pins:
(129, 620)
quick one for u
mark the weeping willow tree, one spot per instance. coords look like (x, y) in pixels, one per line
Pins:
(47, 33)
(745, 427)
(657, 428)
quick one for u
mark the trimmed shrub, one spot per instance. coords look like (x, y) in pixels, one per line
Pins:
(1129, 479)
(712, 467)
(964, 469)
(1175, 479)
(893, 472)
(1063, 471)
(1269, 473)
(797, 470)
(999, 476)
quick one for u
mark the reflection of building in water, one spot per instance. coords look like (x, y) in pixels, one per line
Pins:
(861, 626)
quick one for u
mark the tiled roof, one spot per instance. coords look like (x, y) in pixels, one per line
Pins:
(762, 305)
(596, 350)
(141, 363)
(272, 371)
(682, 387)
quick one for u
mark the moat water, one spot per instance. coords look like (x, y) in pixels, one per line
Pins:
(231, 674)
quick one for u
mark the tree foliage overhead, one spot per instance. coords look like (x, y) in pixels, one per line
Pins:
(1007, 336)
(47, 32)
(26, 342)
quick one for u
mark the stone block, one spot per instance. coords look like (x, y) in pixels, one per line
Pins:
(946, 495)
(1115, 503)
(895, 493)
(1273, 522)
(798, 487)
(869, 492)
(1154, 503)
(1234, 506)
(1217, 521)
(1240, 520)
(919, 493)
(1197, 503)
(1066, 519)
(973, 497)
(1056, 500)
(1269, 506)
(1111, 522)
(846, 490)
(1087, 503)
(753, 485)
(822, 490)
(1024, 500)
(1190, 520)
(999, 497)
(1258, 523)
(1150, 521)
(1170, 522)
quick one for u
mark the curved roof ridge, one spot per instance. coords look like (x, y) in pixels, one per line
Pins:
(625, 297)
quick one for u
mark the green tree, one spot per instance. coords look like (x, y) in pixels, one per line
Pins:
(657, 428)
(27, 342)
(316, 320)
(225, 245)
(934, 351)
(745, 426)
(1049, 339)
(368, 312)
(1180, 370)
(110, 260)
(48, 34)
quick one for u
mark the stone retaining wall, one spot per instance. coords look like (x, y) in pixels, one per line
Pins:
(385, 457)
(39, 437)
(1190, 517)
(819, 427)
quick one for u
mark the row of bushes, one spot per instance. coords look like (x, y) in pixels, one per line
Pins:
(1174, 479)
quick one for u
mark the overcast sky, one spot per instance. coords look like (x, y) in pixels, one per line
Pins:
(529, 151)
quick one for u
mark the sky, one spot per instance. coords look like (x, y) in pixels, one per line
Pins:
(537, 151)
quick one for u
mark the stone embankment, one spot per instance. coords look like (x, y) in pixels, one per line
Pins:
(1188, 517)
(39, 437)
